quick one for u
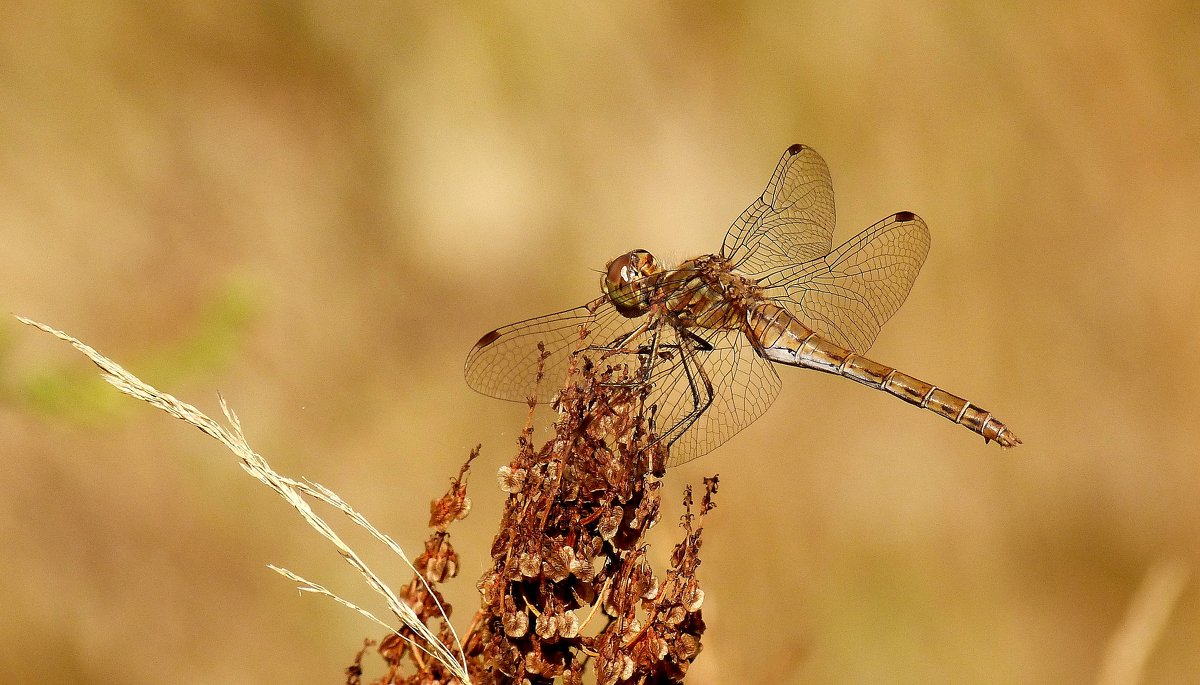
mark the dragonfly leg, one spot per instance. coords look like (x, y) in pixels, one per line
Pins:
(698, 383)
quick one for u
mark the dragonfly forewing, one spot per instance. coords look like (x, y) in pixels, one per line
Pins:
(529, 359)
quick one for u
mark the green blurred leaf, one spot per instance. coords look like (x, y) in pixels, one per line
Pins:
(79, 394)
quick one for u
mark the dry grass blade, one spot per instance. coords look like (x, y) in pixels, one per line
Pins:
(1151, 606)
(292, 491)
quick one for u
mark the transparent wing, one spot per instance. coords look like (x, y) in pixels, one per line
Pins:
(504, 363)
(847, 295)
(792, 222)
(744, 386)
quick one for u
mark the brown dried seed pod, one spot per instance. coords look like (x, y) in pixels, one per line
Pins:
(588, 547)
(686, 647)
(652, 588)
(608, 671)
(511, 480)
(609, 522)
(656, 645)
(450, 507)
(529, 565)
(392, 648)
(558, 563)
(693, 597)
(583, 569)
(546, 626)
(642, 576)
(568, 624)
(674, 615)
(489, 587)
(435, 568)
(631, 630)
(626, 667)
(516, 623)
(536, 663)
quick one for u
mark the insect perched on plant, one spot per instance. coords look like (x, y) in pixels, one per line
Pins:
(706, 331)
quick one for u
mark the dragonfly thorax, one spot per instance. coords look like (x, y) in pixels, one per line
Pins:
(622, 282)
(706, 292)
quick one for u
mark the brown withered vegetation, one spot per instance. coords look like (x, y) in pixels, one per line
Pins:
(570, 586)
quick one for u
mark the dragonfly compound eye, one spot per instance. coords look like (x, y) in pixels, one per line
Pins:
(622, 281)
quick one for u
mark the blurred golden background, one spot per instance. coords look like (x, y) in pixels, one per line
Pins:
(315, 208)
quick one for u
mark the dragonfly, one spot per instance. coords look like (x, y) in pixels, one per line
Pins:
(710, 331)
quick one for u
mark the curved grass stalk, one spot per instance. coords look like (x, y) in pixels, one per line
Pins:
(294, 493)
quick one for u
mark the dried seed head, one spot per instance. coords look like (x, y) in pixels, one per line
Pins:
(626, 667)
(655, 645)
(693, 597)
(686, 647)
(583, 569)
(674, 615)
(652, 588)
(516, 623)
(568, 624)
(511, 480)
(558, 563)
(631, 630)
(609, 522)
(529, 565)
(546, 626)
(566, 545)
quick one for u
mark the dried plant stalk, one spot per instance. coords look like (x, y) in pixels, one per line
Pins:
(573, 539)
(570, 586)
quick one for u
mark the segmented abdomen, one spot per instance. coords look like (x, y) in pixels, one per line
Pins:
(781, 337)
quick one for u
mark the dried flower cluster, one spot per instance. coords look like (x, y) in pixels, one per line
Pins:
(436, 565)
(570, 583)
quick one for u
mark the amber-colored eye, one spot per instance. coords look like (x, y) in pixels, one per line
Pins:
(630, 267)
(620, 279)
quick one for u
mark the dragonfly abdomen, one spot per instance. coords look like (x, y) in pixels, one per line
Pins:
(781, 337)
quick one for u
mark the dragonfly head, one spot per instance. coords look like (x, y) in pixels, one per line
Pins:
(620, 282)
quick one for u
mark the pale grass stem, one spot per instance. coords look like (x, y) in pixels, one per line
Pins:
(1151, 606)
(294, 492)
